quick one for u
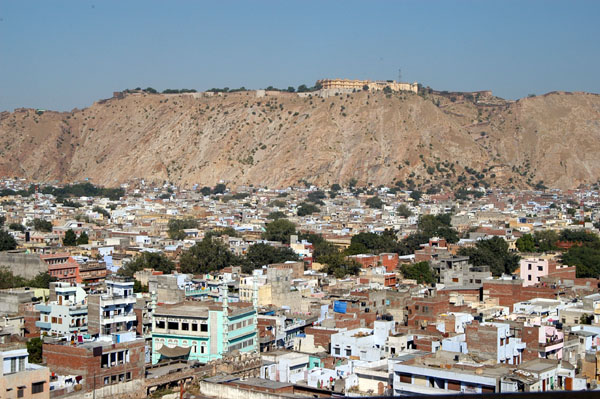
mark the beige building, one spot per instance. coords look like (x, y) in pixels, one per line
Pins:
(21, 379)
(349, 84)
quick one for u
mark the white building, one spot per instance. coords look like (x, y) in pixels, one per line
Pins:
(67, 315)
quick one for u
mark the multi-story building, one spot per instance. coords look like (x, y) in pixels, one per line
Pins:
(203, 331)
(63, 267)
(112, 311)
(108, 366)
(21, 379)
(495, 340)
(65, 314)
(349, 84)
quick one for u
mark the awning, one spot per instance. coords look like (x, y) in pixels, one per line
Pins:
(177, 351)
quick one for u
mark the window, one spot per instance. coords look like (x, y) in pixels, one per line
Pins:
(529, 266)
(20, 392)
(194, 327)
(185, 326)
(348, 352)
(540, 268)
(13, 365)
(203, 327)
(21, 363)
(336, 351)
(128, 376)
(160, 324)
(173, 325)
(529, 277)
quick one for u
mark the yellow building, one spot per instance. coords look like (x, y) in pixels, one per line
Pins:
(349, 84)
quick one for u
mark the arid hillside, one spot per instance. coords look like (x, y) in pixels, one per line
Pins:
(422, 140)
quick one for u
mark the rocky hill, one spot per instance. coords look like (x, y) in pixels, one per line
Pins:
(423, 140)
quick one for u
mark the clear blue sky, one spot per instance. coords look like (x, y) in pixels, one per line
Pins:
(65, 54)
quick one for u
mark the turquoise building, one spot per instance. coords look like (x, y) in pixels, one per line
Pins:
(203, 331)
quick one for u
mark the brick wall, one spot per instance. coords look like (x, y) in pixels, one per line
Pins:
(77, 360)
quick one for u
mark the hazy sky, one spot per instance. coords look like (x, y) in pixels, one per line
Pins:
(65, 54)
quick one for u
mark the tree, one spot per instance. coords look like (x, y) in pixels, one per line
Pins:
(438, 226)
(9, 280)
(585, 258)
(101, 211)
(375, 243)
(321, 247)
(303, 89)
(205, 191)
(83, 239)
(2, 220)
(545, 240)
(34, 349)
(419, 271)
(339, 265)
(387, 90)
(42, 280)
(261, 254)
(493, 253)
(374, 202)
(219, 189)
(7, 241)
(365, 87)
(335, 187)
(176, 227)
(316, 197)
(276, 215)
(42, 225)
(307, 209)
(17, 227)
(290, 89)
(279, 230)
(70, 238)
(227, 231)
(526, 243)
(138, 287)
(352, 182)
(416, 195)
(404, 211)
(206, 256)
(147, 260)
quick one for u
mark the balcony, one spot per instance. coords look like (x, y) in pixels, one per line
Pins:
(78, 310)
(43, 308)
(43, 325)
(551, 343)
(119, 319)
(108, 300)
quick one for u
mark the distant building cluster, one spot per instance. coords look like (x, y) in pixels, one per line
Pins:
(401, 298)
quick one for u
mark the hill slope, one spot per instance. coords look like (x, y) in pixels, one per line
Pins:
(280, 139)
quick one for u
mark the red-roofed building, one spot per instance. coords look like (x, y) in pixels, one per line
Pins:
(63, 267)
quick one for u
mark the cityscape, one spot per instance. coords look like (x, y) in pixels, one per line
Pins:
(299, 199)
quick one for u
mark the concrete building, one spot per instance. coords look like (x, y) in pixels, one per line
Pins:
(62, 267)
(21, 379)
(362, 343)
(203, 331)
(494, 341)
(109, 366)
(66, 314)
(113, 311)
(349, 84)
(456, 271)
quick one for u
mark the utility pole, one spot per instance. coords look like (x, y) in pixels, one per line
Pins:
(399, 75)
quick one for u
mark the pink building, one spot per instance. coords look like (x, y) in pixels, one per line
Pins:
(544, 342)
(533, 269)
